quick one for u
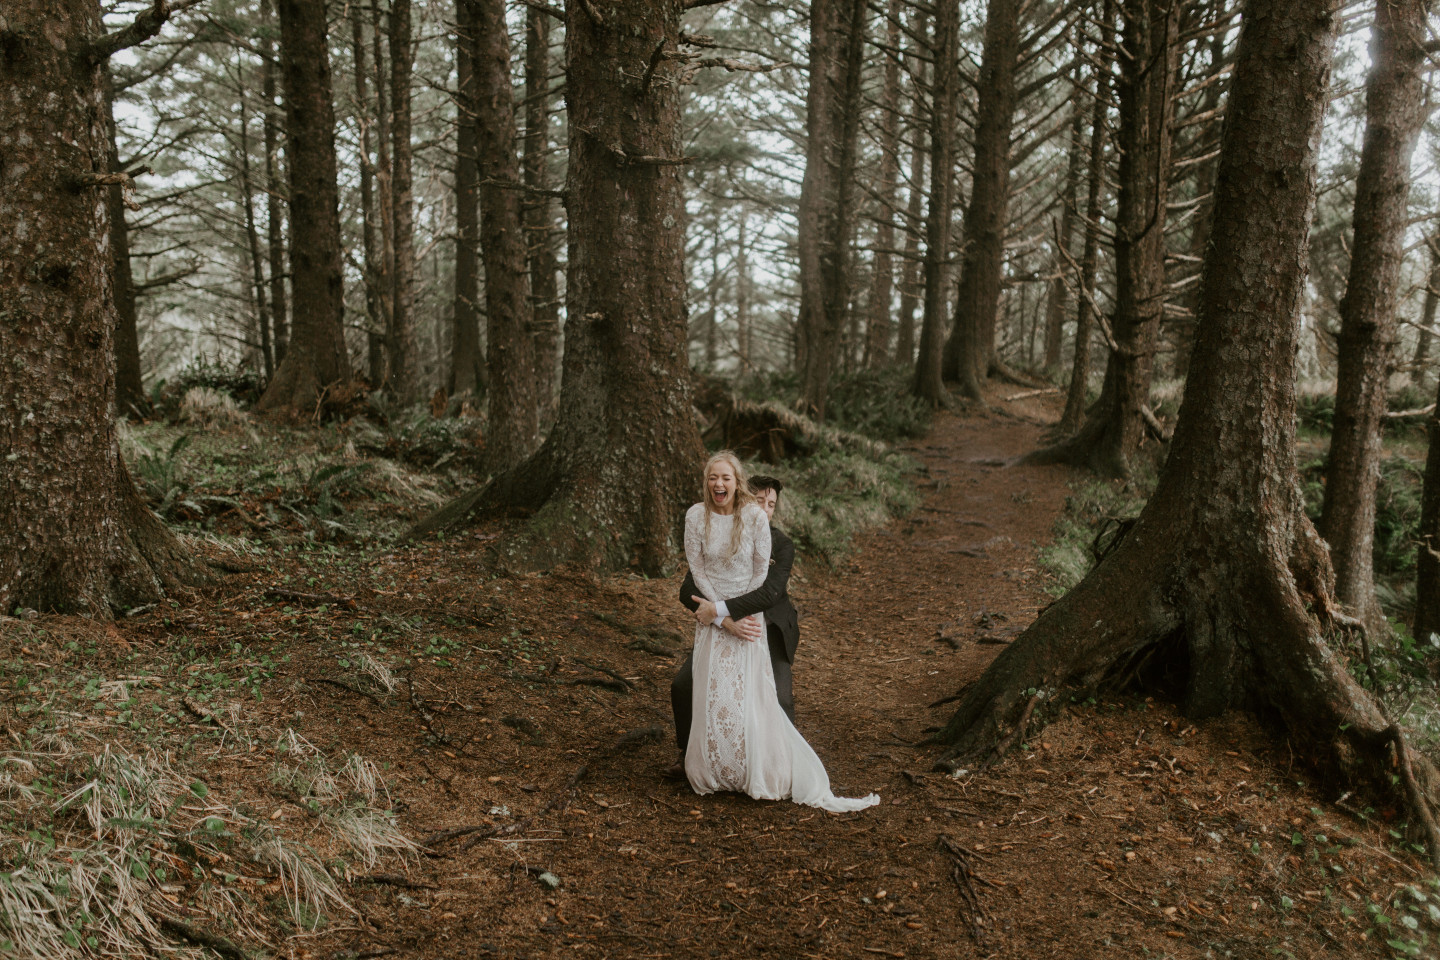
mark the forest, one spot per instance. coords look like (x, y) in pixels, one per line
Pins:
(359, 362)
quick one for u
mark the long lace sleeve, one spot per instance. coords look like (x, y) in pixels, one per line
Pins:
(760, 559)
(695, 551)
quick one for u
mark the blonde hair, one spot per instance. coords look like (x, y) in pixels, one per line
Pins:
(743, 496)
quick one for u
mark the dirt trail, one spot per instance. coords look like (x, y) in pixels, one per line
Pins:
(1122, 831)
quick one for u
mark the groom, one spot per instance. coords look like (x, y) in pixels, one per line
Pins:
(771, 598)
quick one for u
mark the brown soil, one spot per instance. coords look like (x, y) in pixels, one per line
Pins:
(1121, 830)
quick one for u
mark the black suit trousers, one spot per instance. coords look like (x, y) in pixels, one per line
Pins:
(682, 688)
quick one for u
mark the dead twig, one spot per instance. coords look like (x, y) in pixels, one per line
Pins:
(971, 908)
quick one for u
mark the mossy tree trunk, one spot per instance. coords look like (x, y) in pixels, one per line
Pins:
(927, 383)
(75, 535)
(1222, 571)
(610, 484)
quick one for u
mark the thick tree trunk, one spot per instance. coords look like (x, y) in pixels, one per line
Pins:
(1086, 317)
(369, 217)
(544, 264)
(879, 326)
(971, 346)
(75, 536)
(1148, 58)
(275, 192)
(1058, 301)
(1222, 569)
(130, 396)
(827, 193)
(514, 415)
(405, 380)
(611, 482)
(1395, 110)
(316, 356)
(927, 383)
(467, 362)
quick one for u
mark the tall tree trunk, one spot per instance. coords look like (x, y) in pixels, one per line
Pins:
(369, 217)
(385, 195)
(252, 235)
(1085, 317)
(1222, 571)
(1058, 302)
(878, 325)
(1395, 110)
(467, 362)
(275, 190)
(827, 193)
(316, 356)
(129, 386)
(944, 89)
(75, 536)
(742, 293)
(911, 291)
(544, 264)
(971, 346)
(610, 484)
(514, 415)
(1427, 313)
(1148, 59)
(404, 350)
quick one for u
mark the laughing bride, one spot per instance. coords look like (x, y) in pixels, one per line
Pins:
(740, 738)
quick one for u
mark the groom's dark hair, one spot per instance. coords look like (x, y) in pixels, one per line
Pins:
(758, 484)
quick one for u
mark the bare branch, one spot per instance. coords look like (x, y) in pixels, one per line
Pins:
(145, 26)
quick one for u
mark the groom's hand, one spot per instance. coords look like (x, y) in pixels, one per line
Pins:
(747, 629)
(705, 612)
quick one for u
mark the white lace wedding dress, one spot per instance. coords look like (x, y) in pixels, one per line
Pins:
(740, 739)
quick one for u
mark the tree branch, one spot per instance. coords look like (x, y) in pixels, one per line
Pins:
(555, 12)
(145, 26)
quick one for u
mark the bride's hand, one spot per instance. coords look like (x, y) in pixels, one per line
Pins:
(747, 629)
(705, 611)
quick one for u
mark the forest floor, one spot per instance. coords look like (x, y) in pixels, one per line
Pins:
(524, 739)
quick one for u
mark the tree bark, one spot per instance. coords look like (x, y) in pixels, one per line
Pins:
(1112, 433)
(405, 380)
(971, 345)
(1395, 111)
(538, 212)
(467, 362)
(1222, 571)
(274, 191)
(827, 193)
(610, 484)
(1085, 316)
(911, 291)
(385, 196)
(369, 217)
(130, 396)
(944, 88)
(879, 325)
(316, 356)
(252, 235)
(1058, 302)
(75, 536)
(514, 427)
(1427, 313)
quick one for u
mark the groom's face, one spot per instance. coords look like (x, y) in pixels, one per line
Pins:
(767, 500)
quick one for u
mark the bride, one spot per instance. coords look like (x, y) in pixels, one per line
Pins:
(740, 738)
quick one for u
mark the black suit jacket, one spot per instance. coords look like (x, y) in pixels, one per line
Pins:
(772, 598)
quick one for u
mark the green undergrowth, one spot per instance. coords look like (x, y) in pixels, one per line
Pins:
(842, 487)
(213, 469)
(875, 403)
(831, 496)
